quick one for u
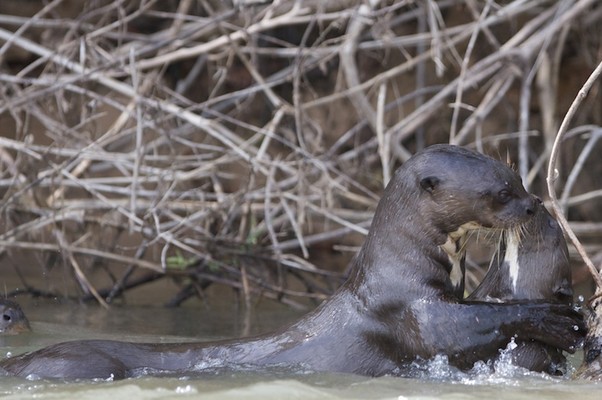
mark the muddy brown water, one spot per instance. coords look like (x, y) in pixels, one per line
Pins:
(59, 322)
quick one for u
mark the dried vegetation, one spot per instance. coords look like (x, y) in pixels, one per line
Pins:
(247, 144)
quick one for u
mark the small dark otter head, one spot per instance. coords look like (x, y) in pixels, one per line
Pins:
(12, 320)
(460, 187)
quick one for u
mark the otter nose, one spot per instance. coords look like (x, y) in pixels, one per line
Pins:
(532, 202)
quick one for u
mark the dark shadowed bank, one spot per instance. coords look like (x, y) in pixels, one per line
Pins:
(246, 145)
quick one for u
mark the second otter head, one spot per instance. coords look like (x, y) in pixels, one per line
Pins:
(461, 187)
(12, 318)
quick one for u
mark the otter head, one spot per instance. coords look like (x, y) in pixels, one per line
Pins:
(531, 263)
(537, 258)
(458, 190)
(13, 319)
(461, 188)
(441, 193)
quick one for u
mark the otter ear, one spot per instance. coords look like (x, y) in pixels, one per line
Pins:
(429, 183)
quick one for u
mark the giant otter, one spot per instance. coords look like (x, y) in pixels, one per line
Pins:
(398, 304)
(13, 320)
(532, 263)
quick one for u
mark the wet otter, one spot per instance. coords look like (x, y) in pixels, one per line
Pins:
(13, 319)
(398, 304)
(532, 267)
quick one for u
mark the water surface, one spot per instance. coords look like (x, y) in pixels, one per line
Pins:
(54, 323)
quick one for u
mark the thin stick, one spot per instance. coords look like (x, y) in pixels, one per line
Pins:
(384, 142)
(81, 277)
(596, 134)
(465, 60)
(81, 250)
(552, 173)
(347, 56)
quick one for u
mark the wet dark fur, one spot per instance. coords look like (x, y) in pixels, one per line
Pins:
(398, 304)
(12, 320)
(544, 274)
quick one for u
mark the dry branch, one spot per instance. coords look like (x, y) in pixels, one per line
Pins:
(552, 173)
(242, 143)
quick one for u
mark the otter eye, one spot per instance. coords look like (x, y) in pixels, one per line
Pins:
(6, 317)
(504, 196)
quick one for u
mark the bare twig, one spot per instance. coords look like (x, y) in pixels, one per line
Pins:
(552, 173)
(201, 133)
(81, 277)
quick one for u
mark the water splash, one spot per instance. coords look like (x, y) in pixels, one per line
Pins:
(501, 370)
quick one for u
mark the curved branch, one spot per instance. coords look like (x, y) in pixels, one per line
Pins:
(552, 175)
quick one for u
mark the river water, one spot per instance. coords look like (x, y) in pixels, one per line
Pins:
(58, 322)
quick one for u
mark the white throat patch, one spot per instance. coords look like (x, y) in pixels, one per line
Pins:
(511, 257)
